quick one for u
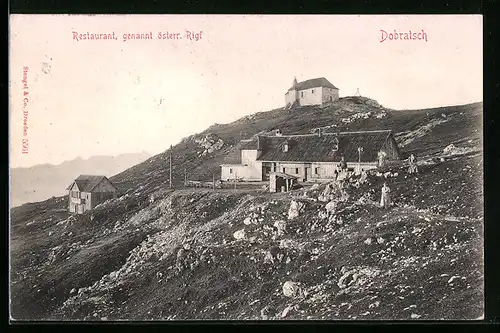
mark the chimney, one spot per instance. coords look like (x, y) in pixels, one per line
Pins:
(319, 131)
(259, 143)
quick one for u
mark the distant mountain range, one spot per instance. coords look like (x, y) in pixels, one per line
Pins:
(43, 181)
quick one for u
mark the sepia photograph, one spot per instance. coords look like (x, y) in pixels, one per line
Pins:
(246, 167)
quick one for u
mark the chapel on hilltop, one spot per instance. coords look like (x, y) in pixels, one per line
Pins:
(311, 92)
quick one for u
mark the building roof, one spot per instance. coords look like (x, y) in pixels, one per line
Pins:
(283, 175)
(86, 183)
(316, 148)
(312, 83)
(250, 144)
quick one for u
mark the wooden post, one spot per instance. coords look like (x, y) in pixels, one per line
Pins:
(170, 176)
(360, 150)
(213, 181)
(235, 178)
(185, 177)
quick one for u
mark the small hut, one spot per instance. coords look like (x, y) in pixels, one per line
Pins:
(281, 182)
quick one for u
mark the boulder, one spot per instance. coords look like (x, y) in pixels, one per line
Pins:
(347, 279)
(280, 225)
(296, 208)
(322, 215)
(289, 244)
(240, 234)
(344, 196)
(327, 193)
(268, 258)
(287, 310)
(291, 289)
(331, 207)
(356, 276)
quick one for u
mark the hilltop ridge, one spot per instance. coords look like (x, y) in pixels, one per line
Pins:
(421, 259)
(342, 115)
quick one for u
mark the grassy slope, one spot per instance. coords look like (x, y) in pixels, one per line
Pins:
(138, 239)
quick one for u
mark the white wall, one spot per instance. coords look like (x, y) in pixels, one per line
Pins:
(249, 157)
(290, 169)
(240, 171)
(314, 96)
(326, 170)
(290, 97)
(311, 96)
(330, 92)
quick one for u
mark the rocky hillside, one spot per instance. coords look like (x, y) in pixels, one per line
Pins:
(314, 253)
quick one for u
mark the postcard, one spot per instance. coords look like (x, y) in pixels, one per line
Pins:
(246, 167)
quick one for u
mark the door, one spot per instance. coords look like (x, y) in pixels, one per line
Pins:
(266, 169)
(308, 174)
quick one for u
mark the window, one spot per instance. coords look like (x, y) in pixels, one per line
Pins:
(312, 91)
(316, 171)
(284, 170)
(230, 170)
(301, 94)
(296, 170)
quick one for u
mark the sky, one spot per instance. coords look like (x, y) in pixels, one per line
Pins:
(107, 97)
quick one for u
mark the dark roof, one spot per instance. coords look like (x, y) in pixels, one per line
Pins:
(315, 148)
(87, 183)
(318, 82)
(248, 144)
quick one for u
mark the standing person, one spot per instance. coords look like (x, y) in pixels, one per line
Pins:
(336, 174)
(381, 159)
(343, 164)
(343, 168)
(385, 200)
(363, 177)
(413, 164)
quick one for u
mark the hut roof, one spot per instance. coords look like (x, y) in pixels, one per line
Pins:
(86, 183)
(283, 175)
